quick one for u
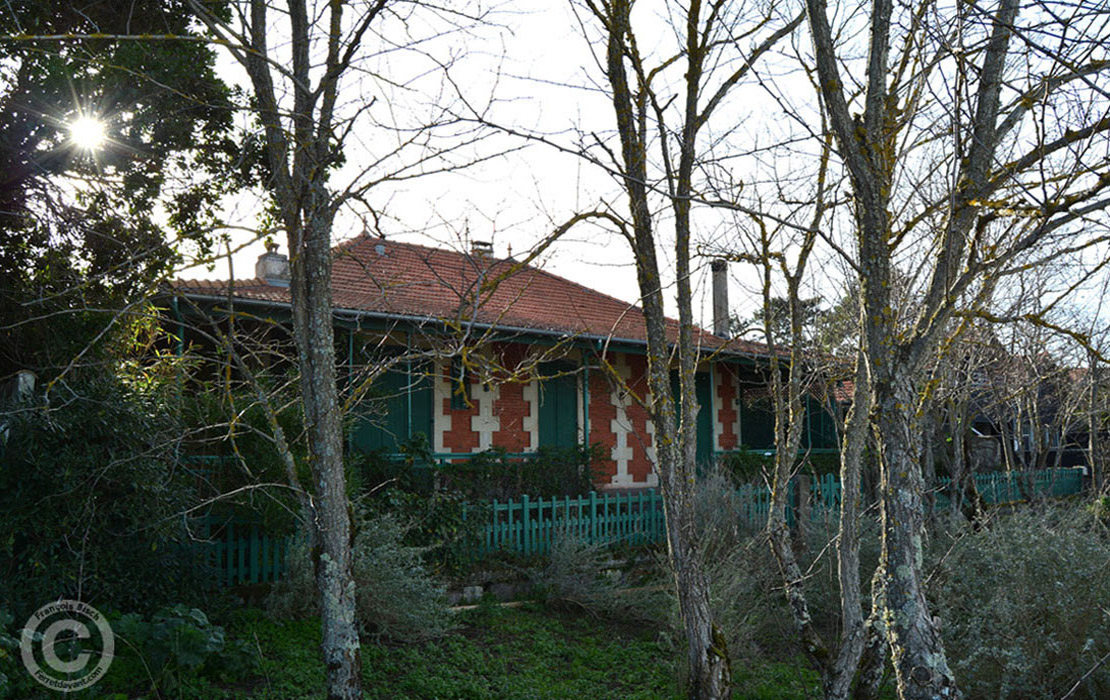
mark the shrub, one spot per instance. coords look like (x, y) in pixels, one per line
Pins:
(445, 508)
(15, 682)
(397, 597)
(580, 575)
(176, 645)
(89, 492)
(552, 471)
(1022, 604)
(744, 580)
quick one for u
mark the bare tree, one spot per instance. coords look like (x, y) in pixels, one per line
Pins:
(782, 252)
(296, 83)
(653, 128)
(972, 147)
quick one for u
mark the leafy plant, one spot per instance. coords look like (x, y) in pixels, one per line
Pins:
(578, 575)
(1023, 604)
(551, 471)
(14, 681)
(396, 595)
(89, 490)
(176, 645)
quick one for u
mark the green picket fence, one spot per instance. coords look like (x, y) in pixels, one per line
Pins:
(529, 526)
(241, 553)
(1007, 487)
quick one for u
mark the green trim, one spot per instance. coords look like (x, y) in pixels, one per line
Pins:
(180, 345)
(585, 400)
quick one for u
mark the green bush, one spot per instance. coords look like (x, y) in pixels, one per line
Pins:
(15, 682)
(552, 471)
(397, 597)
(1022, 601)
(90, 500)
(580, 575)
(445, 508)
(175, 647)
(737, 561)
(745, 584)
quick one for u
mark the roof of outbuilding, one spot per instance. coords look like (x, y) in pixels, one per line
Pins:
(391, 278)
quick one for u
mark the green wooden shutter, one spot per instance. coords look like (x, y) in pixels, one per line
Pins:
(558, 419)
(820, 430)
(703, 392)
(397, 407)
(757, 424)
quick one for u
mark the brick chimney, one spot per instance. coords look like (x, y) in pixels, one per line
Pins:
(719, 269)
(273, 267)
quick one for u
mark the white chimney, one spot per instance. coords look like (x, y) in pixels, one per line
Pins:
(20, 386)
(273, 267)
(719, 270)
(481, 249)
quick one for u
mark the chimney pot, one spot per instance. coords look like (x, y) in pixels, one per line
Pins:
(481, 249)
(719, 269)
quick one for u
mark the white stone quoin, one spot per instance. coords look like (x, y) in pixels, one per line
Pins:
(621, 425)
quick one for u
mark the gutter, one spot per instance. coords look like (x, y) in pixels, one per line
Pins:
(357, 314)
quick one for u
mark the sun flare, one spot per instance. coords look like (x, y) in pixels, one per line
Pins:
(87, 133)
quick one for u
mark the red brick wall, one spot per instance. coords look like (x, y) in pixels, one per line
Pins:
(639, 440)
(459, 437)
(602, 413)
(726, 411)
(511, 407)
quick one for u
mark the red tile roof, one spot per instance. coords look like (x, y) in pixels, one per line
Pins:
(389, 277)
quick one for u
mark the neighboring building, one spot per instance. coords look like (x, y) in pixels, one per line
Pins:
(389, 295)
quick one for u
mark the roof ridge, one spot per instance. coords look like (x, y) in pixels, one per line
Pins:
(392, 241)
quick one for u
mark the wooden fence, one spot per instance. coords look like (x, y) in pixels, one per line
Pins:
(242, 554)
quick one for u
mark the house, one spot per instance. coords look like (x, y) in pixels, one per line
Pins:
(517, 358)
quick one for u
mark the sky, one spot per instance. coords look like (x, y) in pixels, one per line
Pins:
(529, 69)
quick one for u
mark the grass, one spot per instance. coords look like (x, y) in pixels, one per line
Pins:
(496, 652)
(529, 652)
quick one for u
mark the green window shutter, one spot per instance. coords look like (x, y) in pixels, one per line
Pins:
(423, 401)
(558, 419)
(396, 407)
(382, 420)
(757, 424)
(820, 427)
(703, 392)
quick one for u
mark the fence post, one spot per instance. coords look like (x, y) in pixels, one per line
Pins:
(805, 500)
(491, 527)
(542, 539)
(242, 544)
(229, 535)
(527, 540)
(640, 519)
(254, 554)
(593, 517)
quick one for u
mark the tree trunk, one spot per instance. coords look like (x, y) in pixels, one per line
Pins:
(310, 288)
(675, 452)
(855, 634)
(1094, 455)
(920, 665)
